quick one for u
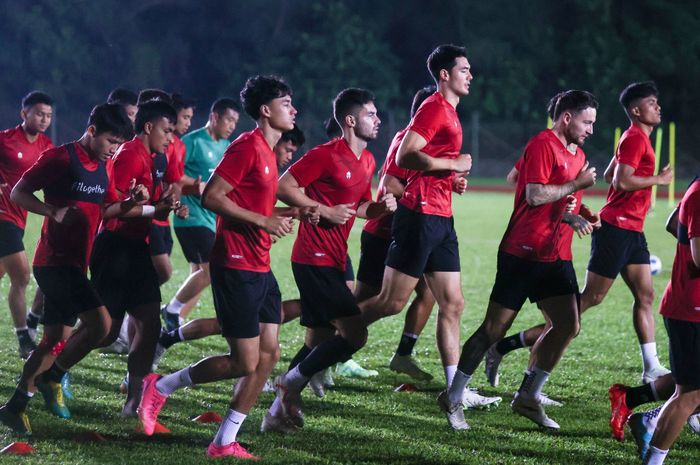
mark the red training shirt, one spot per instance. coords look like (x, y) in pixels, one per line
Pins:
(17, 154)
(331, 174)
(175, 155)
(627, 210)
(534, 233)
(681, 299)
(250, 166)
(437, 122)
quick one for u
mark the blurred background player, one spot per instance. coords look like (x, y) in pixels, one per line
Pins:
(20, 147)
(127, 99)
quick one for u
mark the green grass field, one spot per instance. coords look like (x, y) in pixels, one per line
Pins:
(365, 422)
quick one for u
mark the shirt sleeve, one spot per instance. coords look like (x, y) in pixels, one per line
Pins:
(537, 163)
(428, 120)
(692, 213)
(236, 163)
(126, 167)
(310, 167)
(49, 167)
(172, 173)
(631, 150)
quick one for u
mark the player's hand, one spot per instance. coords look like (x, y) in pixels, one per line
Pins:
(278, 226)
(311, 215)
(585, 177)
(462, 164)
(665, 176)
(183, 211)
(338, 214)
(590, 216)
(570, 203)
(66, 215)
(580, 225)
(459, 185)
(138, 193)
(388, 202)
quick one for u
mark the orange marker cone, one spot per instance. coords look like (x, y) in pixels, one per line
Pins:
(208, 417)
(18, 448)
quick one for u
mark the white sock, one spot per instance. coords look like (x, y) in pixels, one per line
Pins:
(533, 388)
(21, 328)
(174, 381)
(229, 428)
(276, 408)
(295, 380)
(124, 330)
(450, 371)
(456, 389)
(655, 456)
(180, 333)
(174, 306)
(650, 358)
(651, 418)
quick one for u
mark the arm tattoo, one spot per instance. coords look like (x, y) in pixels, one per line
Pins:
(539, 194)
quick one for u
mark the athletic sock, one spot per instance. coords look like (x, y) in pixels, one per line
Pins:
(174, 381)
(456, 389)
(32, 320)
(655, 456)
(334, 350)
(650, 358)
(510, 343)
(531, 387)
(174, 306)
(640, 395)
(450, 371)
(19, 400)
(299, 356)
(295, 380)
(229, 428)
(55, 373)
(167, 339)
(651, 418)
(406, 344)
(276, 408)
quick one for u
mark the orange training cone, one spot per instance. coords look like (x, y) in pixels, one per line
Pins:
(18, 448)
(208, 417)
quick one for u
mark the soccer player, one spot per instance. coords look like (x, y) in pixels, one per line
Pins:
(204, 149)
(679, 306)
(127, 99)
(20, 147)
(77, 193)
(619, 245)
(242, 192)
(530, 263)
(121, 268)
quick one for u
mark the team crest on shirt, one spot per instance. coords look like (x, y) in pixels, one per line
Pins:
(267, 170)
(20, 154)
(348, 175)
(211, 154)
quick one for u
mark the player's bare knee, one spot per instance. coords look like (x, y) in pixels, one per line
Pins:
(20, 280)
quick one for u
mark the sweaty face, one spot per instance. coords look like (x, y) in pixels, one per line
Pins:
(161, 135)
(649, 111)
(579, 126)
(37, 118)
(367, 126)
(282, 113)
(224, 124)
(104, 145)
(284, 151)
(460, 76)
(184, 120)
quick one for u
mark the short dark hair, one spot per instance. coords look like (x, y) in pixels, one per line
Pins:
(636, 91)
(420, 97)
(112, 118)
(35, 97)
(294, 135)
(552, 104)
(444, 57)
(222, 104)
(180, 102)
(122, 97)
(332, 128)
(152, 111)
(574, 101)
(260, 90)
(348, 101)
(146, 95)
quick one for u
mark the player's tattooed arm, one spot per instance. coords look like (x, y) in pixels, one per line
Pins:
(540, 194)
(578, 223)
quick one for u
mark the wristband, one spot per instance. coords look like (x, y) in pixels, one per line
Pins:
(148, 211)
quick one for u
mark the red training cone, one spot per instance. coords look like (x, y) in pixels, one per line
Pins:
(406, 387)
(208, 417)
(18, 448)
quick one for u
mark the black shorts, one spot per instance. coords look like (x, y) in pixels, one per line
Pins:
(684, 351)
(324, 295)
(122, 273)
(373, 250)
(160, 240)
(349, 270)
(518, 279)
(196, 243)
(243, 300)
(11, 237)
(422, 243)
(67, 293)
(614, 248)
